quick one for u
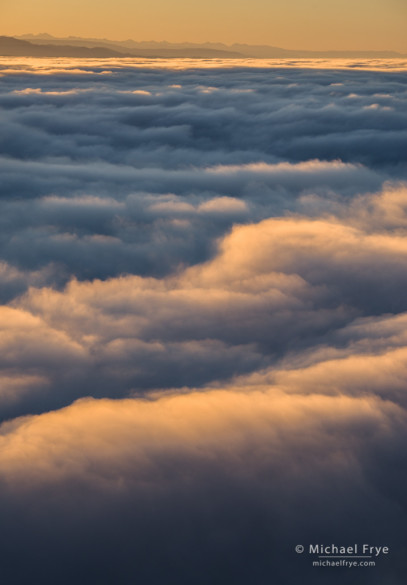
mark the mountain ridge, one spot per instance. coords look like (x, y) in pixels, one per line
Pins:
(17, 47)
(46, 45)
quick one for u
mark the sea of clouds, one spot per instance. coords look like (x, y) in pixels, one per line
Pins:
(203, 326)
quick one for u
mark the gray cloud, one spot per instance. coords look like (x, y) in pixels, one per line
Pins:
(218, 484)
(129, 136)
(202, 328)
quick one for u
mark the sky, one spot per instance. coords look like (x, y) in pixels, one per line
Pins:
(294, 24)
(203, 348)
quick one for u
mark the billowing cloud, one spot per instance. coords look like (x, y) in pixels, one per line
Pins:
(282, 287)
(202, 330)
(227, 480)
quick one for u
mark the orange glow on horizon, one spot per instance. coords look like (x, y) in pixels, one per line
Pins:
(334, 25)
(67, 65)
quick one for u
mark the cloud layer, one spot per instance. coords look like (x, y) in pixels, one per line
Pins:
(202, 328)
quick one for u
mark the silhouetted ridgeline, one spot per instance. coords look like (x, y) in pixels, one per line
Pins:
(12, 47)
(48, 46)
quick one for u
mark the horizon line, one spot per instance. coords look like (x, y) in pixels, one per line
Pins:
(201, 43)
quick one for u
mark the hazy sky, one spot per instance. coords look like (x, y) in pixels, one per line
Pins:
(308, 24)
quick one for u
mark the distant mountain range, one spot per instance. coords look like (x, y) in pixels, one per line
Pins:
(45, 45)
(88, 48)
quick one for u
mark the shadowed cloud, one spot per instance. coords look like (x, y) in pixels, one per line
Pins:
(202, 329)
